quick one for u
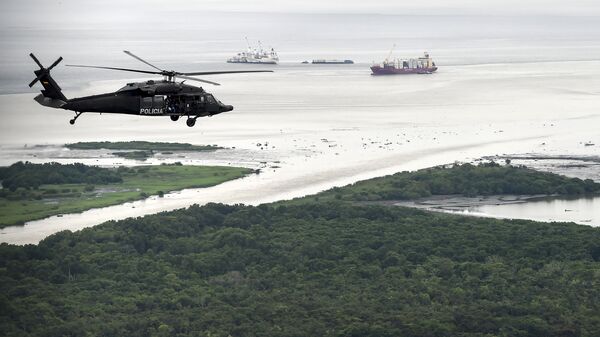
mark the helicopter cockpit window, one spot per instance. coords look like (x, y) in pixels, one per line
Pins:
(210, 99)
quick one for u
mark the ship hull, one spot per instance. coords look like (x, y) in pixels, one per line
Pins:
(332, 62)
(253, 61)
(379, 70)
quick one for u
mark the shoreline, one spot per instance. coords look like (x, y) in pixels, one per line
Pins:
(422, 122)
(499, 206)
(34, 231)
(130, 190)
(457, 202)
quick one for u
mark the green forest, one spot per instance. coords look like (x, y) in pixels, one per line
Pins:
(29, 175)
(327, 268)
(466, 179)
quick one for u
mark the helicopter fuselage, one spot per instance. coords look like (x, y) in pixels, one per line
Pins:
(152, 98)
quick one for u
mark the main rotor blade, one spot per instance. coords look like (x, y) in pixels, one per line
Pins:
(140, 59)
(227, 72)
(197, 79)
(121, 69)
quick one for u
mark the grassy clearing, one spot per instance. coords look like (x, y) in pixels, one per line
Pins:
(138, 183)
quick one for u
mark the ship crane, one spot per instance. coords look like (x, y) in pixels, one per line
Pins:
(390, 53)
(249, 46)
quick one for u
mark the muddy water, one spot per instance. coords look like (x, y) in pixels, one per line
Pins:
(327, 134)
(294, 177)
(502, 88)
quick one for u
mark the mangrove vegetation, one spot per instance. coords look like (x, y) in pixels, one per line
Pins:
(316, 268)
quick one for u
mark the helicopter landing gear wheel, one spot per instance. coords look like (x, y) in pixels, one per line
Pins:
(190, 122)
(77, 114)
(174, 118)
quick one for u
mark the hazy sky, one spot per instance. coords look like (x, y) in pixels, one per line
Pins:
(573, 7)
(87, 8)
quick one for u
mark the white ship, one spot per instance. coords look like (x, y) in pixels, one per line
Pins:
(255, 55)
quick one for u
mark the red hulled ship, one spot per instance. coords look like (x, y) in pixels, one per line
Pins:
(421, 65)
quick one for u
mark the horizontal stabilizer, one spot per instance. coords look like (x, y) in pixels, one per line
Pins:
(49, 102)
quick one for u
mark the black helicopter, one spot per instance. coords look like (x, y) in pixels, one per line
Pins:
(165, 97)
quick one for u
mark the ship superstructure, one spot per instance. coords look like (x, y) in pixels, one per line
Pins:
(255, 55)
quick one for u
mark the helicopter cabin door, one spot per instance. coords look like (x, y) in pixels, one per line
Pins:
(153, 105)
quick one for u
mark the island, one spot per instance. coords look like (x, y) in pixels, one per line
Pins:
(467, 180)
(324, 265)
(141, 150)
(141, 146)
(34, 191)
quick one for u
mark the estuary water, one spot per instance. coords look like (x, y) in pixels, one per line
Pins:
(506, 85)
(585, 211)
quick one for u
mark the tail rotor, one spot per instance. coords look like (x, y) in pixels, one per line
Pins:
(51, 94)
(43, 71)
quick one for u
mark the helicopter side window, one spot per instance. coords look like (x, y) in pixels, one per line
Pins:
(210, 99)
(159, 102)
(146, 102)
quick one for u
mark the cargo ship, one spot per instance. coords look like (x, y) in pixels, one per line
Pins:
(332, 62)
(421, 65)
(255, 55)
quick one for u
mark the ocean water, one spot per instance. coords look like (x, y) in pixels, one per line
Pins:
(189, 41)
(506, 85)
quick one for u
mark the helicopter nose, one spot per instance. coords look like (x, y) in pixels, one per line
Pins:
(225, 108)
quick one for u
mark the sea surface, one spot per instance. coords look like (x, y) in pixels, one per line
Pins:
(505, 86)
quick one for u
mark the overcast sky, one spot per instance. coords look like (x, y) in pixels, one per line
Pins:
(437, 7)
(573, 7)
(92, 14)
